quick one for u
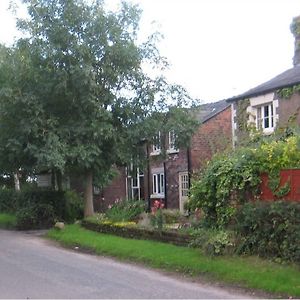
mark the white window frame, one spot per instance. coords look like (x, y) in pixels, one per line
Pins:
(265, 117)
(156, 148)
(137, 179)
(172, 142)
(158, 185)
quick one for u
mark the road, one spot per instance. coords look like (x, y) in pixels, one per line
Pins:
(32, 267)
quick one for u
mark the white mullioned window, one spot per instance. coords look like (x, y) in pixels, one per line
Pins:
(172, 141)
(265, 116)
(158, 184)
(157, 143)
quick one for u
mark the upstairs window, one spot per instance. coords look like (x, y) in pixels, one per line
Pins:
(172, 141)
(156, 147)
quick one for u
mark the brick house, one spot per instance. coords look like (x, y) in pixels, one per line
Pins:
(169, 179)
(272, 104)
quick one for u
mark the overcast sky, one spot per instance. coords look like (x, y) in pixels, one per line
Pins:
(217, 48)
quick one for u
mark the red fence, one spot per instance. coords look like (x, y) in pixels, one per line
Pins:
(292, 177)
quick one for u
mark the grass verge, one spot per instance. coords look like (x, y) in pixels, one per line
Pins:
(249, 272)
(7, 221)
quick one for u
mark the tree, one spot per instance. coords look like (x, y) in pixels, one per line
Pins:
(82, 99)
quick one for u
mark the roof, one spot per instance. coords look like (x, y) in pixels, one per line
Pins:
(206, 111)
(287, 78)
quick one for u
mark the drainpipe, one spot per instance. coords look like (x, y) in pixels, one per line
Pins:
(189, 167)
(148, 179)
(165, 183)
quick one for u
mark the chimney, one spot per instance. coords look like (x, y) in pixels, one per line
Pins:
(295, 29)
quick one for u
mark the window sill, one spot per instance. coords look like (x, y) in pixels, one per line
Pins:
(154, 153)
(172, 151)
(268, 131)
(157, 196)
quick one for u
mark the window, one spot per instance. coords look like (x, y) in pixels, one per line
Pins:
(158, 181)
(135, 183)
(156, 144)
(265, 117)
(184, 185)
(172, 142)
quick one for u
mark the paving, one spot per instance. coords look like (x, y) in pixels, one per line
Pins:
(32, 267)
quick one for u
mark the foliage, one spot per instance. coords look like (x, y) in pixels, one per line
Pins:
(73, 209)
(270, 229)
(7, 221)
(231, 179)
(35, 216)
(126, 210)
(75, 97)
(212, 242)
(8, 200)
(227, 180)
(157, 218)
(288, 92)
(250, 272)
(172, 215)
(41, 208)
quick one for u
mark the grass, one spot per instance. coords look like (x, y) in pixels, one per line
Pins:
(249, 272)
(7, 221)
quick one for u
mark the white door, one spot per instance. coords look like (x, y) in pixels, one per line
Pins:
(183, 189)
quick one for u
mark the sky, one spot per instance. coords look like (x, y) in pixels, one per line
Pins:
(216, 48)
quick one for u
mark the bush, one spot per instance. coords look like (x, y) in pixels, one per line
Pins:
(8, 200)
(230, 180)
(172, 216)
(126, 210)
(41, 208)
(73, 207)
(270, 229)
(213, 242)
(35, 216)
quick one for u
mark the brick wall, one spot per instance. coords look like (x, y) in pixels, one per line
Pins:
(115, 190)
(289, 108)
(212, 136)
(175, 164)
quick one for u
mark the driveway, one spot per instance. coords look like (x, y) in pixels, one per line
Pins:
(32, 267)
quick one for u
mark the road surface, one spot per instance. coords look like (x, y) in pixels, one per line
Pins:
(32, 267)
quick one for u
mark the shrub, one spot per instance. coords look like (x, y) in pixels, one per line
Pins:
(270, 229)
(126, 210)
(226, 181)
(41, 208)
(172, 215)
(35, 216)
(73, 209)
(213, 242)
(230, 180)
(8, 200)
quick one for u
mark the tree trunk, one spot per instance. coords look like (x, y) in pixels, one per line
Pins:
(59, 180)
(17, 181)
(88, 194)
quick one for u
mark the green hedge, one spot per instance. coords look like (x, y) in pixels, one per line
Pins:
(41, 208)
(8, 200)
(270, 229)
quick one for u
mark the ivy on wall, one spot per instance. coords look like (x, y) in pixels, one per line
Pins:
(288, 92)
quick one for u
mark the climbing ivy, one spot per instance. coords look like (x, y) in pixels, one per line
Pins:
(288, 92)
(231, 179)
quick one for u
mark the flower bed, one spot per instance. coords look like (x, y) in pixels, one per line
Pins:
(138, 233)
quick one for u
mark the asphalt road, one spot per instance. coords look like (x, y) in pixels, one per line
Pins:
(31, 267)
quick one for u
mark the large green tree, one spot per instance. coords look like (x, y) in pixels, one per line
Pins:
(77, 98)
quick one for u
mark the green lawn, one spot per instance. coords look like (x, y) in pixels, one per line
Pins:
(7, 221)
(250, 272)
